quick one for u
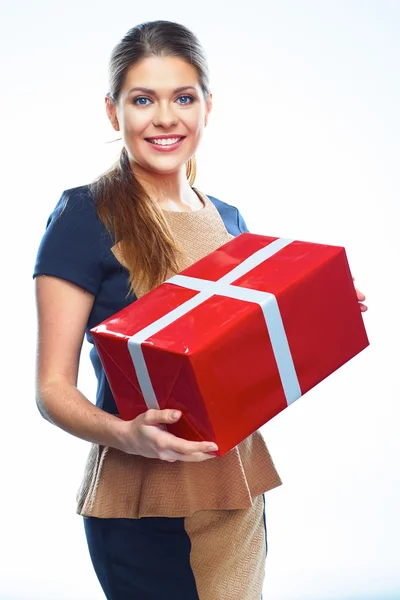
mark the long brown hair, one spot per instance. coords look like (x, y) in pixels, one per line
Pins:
(144, 237)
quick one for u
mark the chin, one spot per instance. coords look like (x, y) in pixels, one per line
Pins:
(165, 169)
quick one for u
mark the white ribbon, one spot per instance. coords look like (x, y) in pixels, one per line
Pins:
(222, 287)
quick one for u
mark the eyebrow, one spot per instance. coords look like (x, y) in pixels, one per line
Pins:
(153, 92)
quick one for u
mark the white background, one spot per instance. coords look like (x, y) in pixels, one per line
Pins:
(304, 139)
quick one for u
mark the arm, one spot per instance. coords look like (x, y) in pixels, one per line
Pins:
(63, 309)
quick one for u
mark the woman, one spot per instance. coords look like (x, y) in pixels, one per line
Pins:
(163, 517)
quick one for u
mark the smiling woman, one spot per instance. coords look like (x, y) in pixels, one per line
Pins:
(163, 517)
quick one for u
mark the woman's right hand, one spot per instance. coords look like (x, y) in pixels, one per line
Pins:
(146, 435)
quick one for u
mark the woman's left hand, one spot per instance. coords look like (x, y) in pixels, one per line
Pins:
(361, 298)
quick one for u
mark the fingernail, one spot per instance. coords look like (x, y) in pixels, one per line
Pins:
(212, 448)
(175, 414)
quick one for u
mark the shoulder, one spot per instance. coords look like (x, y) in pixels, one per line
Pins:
(230, 215)
(220, 205)
(80, 191)
(75, 199)
(74, 218)
(76, 210)
(75, 241)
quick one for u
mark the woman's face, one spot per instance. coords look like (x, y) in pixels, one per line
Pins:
(161, 113)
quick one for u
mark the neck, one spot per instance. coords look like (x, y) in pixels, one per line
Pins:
(171, 191)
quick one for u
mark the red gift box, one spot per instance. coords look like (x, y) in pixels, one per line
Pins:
(235, 338)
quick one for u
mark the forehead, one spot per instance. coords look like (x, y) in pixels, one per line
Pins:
(161, 73)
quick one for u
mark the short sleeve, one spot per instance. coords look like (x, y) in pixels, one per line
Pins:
(241, 223)
(74, 242)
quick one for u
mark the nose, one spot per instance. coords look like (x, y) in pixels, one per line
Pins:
(164, 116)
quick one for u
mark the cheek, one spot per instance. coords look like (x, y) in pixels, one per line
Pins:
(195, 122)
(135, 124)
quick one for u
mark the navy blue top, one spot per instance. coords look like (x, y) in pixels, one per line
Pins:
(76, 246)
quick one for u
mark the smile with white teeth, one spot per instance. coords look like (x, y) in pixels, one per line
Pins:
(165, 141)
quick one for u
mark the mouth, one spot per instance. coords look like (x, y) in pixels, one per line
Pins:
(165, 141)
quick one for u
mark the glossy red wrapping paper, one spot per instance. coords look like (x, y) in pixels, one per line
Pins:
(216, 363)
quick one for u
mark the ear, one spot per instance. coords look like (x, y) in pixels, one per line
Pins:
(208, 109)
(111, 110)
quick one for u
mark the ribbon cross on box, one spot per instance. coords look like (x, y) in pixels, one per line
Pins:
(224, 287)
(235, 338)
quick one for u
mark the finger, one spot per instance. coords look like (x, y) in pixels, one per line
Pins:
(171, 456)
(187, 447)
(169, 442)
(166, 441)
(154, 417)
(363, 307)
(191, 448)
(360, 295)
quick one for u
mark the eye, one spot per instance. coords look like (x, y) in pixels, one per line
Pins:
(186, 99)
(141, 101)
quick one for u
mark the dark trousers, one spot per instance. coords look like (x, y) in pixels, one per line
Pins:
(141, 559)
(144, 559)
